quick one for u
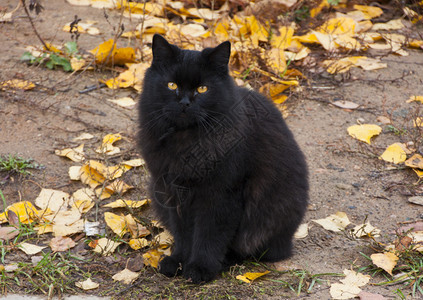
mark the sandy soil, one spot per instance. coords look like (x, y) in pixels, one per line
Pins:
(345, 174)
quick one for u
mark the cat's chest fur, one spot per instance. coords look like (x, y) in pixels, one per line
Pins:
(195, 155)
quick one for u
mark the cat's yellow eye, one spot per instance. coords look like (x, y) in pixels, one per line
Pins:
(172, 86)
(202, 89)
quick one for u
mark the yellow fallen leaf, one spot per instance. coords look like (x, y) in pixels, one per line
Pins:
(394, 154)
(415, 98)
(386, 261)
(107, 144)
(364, 132)
(138, 162)
(276, 60)
(350, 286)
(283, 39)
(338, 26)
(126, 276)
(53, 199)
(116, 223)
(302, 231)
(279, 99)
(74, 154)
(335, 222)
(91, 176)
(83, 136)
(105, 246)
(315, 11)
(118, 186)
(369, 11)
(109, 172)
(45, 228)
(77, 63)
(108, 53)
(139, 243)
(221, 30)
(302, 53)
(413, 43)
(343, 291)
(416, 161)
(101, 193)
(25, 211)
(79, 2)
(418, 122)
(6, 17)
(369, 64)
(249, 277)
(366, 229)
(418, 172)
(126, 203)
(341, 65)
(17, 84)
(67, 217)
(83, 194)
(126, 102)
(74, 172)
(152, 258)
(347, 42)
(192, 30)
(83, 206)
(391, 25)
(354, 278)
(30, 249)
(87, 284)
(164, 238)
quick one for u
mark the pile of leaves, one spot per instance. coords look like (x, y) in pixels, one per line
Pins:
(270, 46)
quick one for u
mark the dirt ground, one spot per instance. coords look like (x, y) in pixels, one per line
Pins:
(345, 174)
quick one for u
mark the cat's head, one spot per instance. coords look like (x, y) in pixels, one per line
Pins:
(186, 88)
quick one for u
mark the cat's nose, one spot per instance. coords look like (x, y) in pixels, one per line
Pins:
(185, 101)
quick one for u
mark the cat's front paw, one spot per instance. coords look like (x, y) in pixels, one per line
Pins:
(170, 266)
(200, 273)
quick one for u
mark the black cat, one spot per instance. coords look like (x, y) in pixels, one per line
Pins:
(227, 178)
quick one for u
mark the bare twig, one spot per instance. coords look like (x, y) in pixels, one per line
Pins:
(33, 26)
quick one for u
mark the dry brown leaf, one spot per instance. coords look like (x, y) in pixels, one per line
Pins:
(60, 243)
(416, 200)
(370, 296)
(345, 104)
(8, 233)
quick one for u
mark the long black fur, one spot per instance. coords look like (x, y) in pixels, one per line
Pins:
(227, 178)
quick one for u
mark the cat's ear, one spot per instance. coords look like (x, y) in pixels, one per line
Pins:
(219, 55)
(162, 50)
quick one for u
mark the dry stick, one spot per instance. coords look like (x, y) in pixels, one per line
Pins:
(33, 26)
